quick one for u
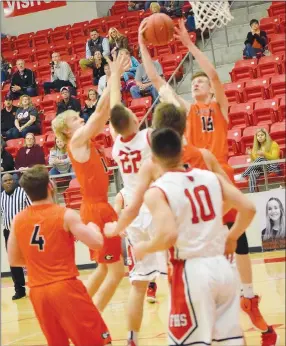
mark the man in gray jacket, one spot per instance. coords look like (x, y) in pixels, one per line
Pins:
(61, 75)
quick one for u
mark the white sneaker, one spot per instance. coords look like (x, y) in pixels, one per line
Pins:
(238, 177)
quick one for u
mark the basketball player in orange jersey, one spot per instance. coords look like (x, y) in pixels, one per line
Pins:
(207, 124)
(187, 207)
(42, 239)
(94, 181)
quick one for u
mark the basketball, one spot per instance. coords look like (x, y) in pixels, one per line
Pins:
(159, 29)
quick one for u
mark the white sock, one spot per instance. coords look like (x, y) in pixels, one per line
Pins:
(247, 290)
(238, 177)
(133, 336)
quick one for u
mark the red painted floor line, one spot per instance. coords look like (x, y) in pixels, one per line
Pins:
(268, 260)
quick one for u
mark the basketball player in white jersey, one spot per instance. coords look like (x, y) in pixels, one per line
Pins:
(131, 148)
(187, 208)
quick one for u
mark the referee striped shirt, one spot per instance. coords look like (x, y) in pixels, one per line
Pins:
(12, 204)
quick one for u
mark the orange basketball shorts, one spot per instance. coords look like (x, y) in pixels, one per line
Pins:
(65, 311)
(100, 214)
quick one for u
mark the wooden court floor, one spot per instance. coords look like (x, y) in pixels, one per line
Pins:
(20, 327)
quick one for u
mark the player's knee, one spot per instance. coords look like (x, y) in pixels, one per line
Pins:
(140, 286)
(242, 245)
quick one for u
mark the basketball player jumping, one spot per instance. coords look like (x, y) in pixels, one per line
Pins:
(93, 180)
(187, 209)
(42, 239)
(207, 124)
(131, 148)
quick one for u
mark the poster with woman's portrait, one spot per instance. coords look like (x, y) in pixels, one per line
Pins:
(268, 227)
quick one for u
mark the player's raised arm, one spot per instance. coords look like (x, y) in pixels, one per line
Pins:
(15, 256)
(117, 67)
(166, 232)
(206, 65)
(88, 234)
(167, 94)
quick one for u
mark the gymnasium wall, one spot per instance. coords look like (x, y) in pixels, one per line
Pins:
(260, 200)
(74, 11)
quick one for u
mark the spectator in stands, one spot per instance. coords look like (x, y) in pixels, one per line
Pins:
(273, 236)
(90, 104)
(117, 41)
(6, 70)
(174, 8)
(264, 149)
(190, 21)
(95, 42)
(130, 74)
(103, 80)
(30, 154)
(6, 36)
(8, 115)
(67, 102)
(7, 161)
(135, 6)
(98, 66)
(23, 81)
(59, 159)
(256, 41)
(148, 4)
(143, 85)
(26, 119)
(155, 7)
(61, 75)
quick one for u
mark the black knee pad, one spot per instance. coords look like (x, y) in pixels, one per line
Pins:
(242, 243)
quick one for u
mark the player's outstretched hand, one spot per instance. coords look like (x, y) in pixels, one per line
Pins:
(230, 247)
(141, 30)
(120, 63)
(139, 251)
(109, 229)
(181, 34)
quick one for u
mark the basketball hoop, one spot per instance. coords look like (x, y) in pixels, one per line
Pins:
(211, 14)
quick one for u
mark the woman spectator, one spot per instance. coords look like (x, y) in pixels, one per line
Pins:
(264, 149)
(90, 104)
(273, 236)
(30, 154)
(6, 70)
(116, 40)
(59, 159)
(98, 66)
(26, 119)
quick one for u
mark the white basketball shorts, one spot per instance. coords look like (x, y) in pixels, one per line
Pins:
(204, 303)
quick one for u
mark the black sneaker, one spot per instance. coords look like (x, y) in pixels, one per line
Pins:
(19, 295)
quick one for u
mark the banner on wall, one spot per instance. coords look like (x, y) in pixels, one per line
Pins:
(14, 8)
(267, 230)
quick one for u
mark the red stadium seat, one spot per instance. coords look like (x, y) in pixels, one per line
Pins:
(282, 24)
(233, 138)
(97, 25)
(270, 25)
(256, 89)
(5, 45)
(132, 36)
(277, 44)
(39, 40)
(58, 36)
(268, 66)
(73, 198)
(276, 8)
(161, 50)
(130, 19)
(75, 32)
(63, 48)
(282, 110)
(277, 86)
(239, 115)
(233, 91)
(43, 52)
(243, 70)
(170, 63)
(46, 123)
(119, 8)
(44, 71)
(49, 143)
(40, 140)
(78, 48)
(111, 22)
(178, 47)
(26, 54)
(277, 133)
(63, 28)
(45, 32)
(142, 102)
(239, 160)
(265, 112)
(74, 183)
(22, 43)
(13, 145)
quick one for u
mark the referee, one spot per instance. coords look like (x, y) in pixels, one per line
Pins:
(13, 200)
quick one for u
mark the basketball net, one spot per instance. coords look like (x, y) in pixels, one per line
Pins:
(210, 14)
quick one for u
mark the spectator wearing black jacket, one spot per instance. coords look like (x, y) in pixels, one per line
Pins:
(256, 41)
(68, 102)
(23, 81)
(8, 114)
(7, 161)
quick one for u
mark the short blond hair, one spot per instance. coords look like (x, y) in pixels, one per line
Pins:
(59, 125)
(155, 7)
